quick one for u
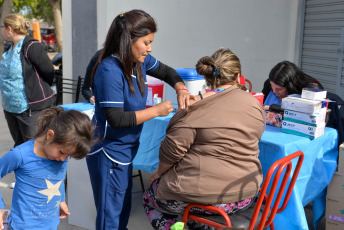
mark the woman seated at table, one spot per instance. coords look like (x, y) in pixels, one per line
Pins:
(210, 153)
(285, 79)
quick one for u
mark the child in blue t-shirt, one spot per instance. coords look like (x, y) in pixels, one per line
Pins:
(40, 168)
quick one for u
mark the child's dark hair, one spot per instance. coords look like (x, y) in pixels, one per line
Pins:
(71, 128)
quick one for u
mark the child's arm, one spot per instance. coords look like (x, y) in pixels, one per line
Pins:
(8, 163)
(64, 210)
(1, 221)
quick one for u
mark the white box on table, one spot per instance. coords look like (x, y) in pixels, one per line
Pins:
(303, 130)
(295, 103)
(340, 168)
(305, 118)
(313, 94)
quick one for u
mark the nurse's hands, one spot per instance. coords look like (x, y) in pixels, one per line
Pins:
(183, 95)
(164, 108)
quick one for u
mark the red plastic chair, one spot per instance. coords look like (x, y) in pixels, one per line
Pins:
(243, 81)
(259, 215)
(249, 85)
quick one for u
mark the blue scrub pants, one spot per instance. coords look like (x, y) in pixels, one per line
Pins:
(111, 185)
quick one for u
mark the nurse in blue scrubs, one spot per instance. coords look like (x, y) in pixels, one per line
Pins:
(120, 89)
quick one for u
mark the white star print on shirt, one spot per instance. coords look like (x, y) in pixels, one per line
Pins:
(58, 204)
(52, 190)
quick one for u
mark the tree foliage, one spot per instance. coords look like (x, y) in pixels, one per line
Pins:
(47, 10)
(34, 9)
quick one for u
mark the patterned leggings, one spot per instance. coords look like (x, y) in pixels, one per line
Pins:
(162, 214)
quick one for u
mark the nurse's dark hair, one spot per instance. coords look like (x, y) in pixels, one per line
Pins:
(72, 129)
(125, 29)
(224, 62)
(287, 74)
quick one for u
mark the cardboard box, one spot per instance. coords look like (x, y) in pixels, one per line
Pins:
(333, 225)
(303, 130)
(305, 118)
(336, 186)
(296, 103)
(335, 209)
(313, 94)
(340, 168)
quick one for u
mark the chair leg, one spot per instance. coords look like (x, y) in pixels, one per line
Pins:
(139, 174)
(78, 89)
(272, 227)
(141, 180)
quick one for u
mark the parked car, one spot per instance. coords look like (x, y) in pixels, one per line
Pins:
(48, 35)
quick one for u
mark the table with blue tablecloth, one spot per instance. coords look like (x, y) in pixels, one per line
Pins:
(319, 164)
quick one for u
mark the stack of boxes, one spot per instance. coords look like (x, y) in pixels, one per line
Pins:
(335, 197)
(305, 115)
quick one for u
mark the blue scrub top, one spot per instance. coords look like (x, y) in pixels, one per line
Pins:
(112, 90)
(272, 99)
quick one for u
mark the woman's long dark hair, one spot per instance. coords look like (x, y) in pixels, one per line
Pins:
(287, 74)
(125, 29)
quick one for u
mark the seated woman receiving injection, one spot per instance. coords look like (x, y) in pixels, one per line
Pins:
(210, 152)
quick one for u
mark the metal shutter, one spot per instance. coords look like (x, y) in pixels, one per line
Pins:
(323, 43)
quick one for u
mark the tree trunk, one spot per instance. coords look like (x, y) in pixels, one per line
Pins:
(55, 7)
(6, 9)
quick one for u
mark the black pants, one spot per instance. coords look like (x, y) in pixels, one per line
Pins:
(22, 126)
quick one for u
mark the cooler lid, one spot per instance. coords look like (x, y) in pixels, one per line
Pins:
(189, 74)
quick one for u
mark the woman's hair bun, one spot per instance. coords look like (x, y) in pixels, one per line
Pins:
(205, 66)
(27, 24)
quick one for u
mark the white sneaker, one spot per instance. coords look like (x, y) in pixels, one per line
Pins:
(12, 185)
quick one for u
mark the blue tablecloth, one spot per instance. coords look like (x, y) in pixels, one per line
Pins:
(319, 164)
(81, 106)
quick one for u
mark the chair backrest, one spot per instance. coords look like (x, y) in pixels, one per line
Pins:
(243, 81)
(273, 176)
(249, 85)
(68, 86)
